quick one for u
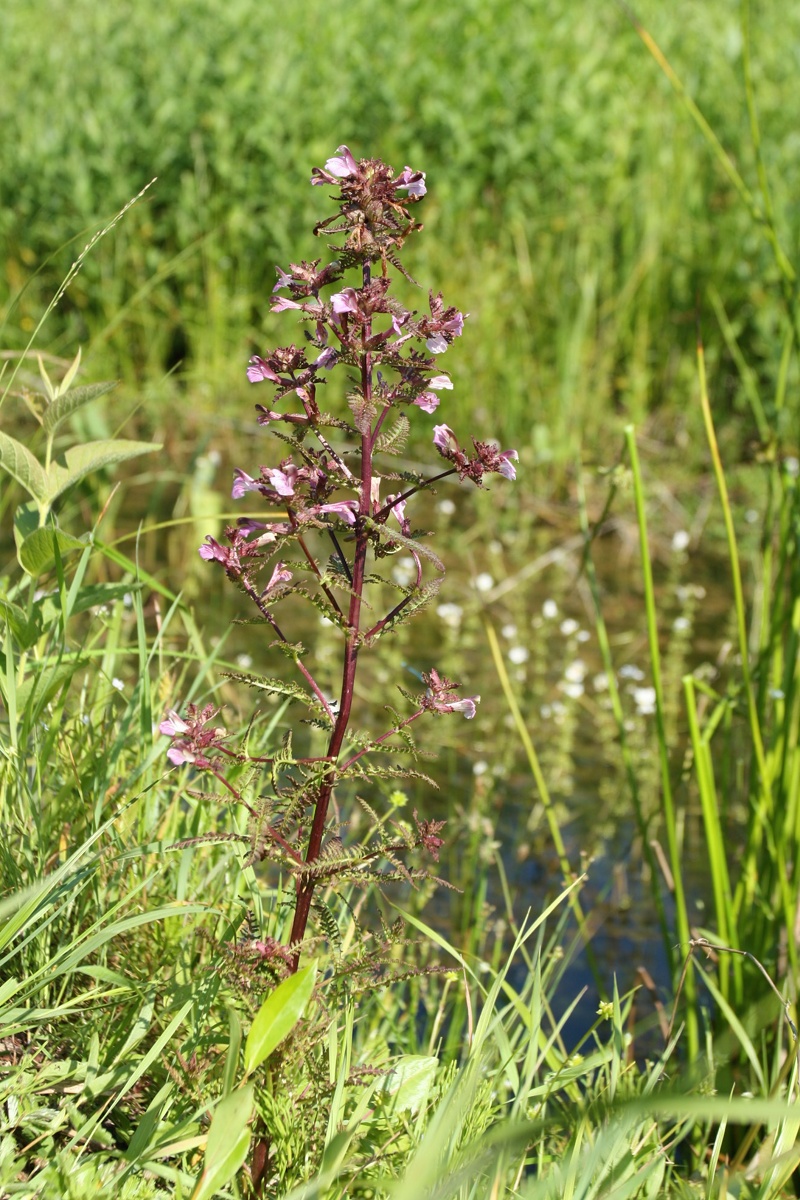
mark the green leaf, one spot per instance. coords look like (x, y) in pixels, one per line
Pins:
(65, 405)
(37, 553)
(409, 1082)
(227, 1144)
(278, 1016)
(72, 465)
(46, 683)
(23, 631)
(22, 466)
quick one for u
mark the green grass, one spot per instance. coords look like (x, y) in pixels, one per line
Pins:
(572, 210)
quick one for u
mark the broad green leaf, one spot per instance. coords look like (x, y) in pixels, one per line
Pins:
(65, 405)
(37, 553)
(278, 1016)
(27, 519)
(74, 464)
(227, 1144)
(22, 466)
(408, 1083)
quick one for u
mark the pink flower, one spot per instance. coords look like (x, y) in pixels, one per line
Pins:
(212, 550)
(326, 359)
(441, 696)
(411, 181)
(279, 575)
(444, 439)
(173, 725)
(436, 344)
(345, 301)
(346, 509)
(281, 304)
(342, 165)
(284, 280)
(242, 482)
(259, 370)
(441, 383)
(281, 481)
(427, 401)
(506, 467)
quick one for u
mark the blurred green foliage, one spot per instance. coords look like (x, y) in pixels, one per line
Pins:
(573, 209)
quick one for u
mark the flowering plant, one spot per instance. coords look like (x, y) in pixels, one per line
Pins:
(334, 495)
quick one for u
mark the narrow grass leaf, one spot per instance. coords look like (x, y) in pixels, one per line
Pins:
(227, 1144)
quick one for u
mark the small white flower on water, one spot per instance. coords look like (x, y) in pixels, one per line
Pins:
(484, 582)
(645, 700)
(550, 610)
(791, 465)
(518, 655)
(509, 631)
(582, 635)
(568, 627)
(118, 684)
(480, 767)
(576, 671)
(573, 690)
(680, 540)
(446, 507)
(690, 591)
(244, 661)
(631, 671)
(680, 624)
(600, 683)
(404, 573)
(450, 614)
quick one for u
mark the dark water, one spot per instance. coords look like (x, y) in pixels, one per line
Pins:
(532, 590)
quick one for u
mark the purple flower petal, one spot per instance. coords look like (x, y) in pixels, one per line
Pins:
(173, 724)
(506, 466)
(259, 370)
(427, 401)
(436, 344)
(281, 482)
(343, 164)
(345, 301)
(326, 359)
(242, 482)
(346, 509)
(444, 439)
(280, 304)
(441, 383)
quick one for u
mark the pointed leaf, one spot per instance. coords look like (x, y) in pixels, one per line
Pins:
(65, 405)
(278, 1016)
(79, 461)
(408, 1083)
(22, 466)
(227, 1144)
(37, 553)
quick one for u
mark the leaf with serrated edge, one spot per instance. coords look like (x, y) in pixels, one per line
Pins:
(227, 1144)
(79, 461)
(65, 405)
(22, 466)
(278, 1016)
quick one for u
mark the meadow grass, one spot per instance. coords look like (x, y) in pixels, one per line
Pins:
(572, 210)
